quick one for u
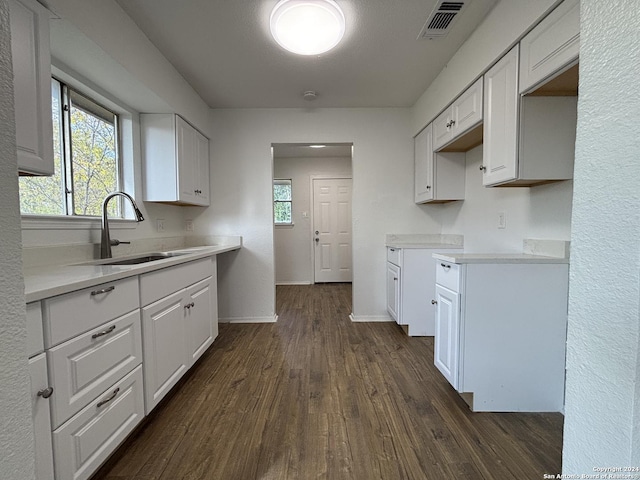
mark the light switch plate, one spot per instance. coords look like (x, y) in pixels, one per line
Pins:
(502, 220)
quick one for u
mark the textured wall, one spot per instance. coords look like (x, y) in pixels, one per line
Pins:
(293, 245)
(16, 430)
(602, 415)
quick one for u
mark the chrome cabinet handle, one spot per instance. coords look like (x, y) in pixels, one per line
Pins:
(453, 122)
(395, 278)
(433, 302)
(104, 332)
(103, 290)
(392, 249)
(428, 187)
(107, 400)
(483, 168)
(443, 265)
(45, 392)
(190, 305)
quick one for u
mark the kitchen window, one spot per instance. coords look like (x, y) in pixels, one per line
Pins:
(282, 202)
(87, 159)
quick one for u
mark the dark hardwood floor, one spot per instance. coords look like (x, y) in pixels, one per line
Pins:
(316, 396)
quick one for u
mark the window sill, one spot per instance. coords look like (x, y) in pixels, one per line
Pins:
(283, 225)
(60, 222)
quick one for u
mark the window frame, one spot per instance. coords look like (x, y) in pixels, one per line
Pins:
(282, 181)
(127, 143)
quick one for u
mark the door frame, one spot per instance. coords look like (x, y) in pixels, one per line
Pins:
(311, 223)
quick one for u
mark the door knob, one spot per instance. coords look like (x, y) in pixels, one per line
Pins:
(317, 232)
(317, 239)
(433, 302)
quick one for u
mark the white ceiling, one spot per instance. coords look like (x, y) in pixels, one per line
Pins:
(224, 50)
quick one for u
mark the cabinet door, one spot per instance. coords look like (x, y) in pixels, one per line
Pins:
(442, 129)
(393, 292)
(164, 346)
(32, 86)
(41, 417)
(188, 169)
(551, 46)
(501, 100)
(423, 158)
(202, 178)
(447, 342)
(467, 109)
(199, 325)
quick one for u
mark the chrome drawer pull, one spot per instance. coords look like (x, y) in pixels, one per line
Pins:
(103, 290)
(104, 332)
(434, 302)
(45, 392)
(107, 400)
(445, 266)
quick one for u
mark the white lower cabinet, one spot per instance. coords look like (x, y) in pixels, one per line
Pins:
(110, 362)
(446, 344)
(393, 291)
(165, 346)
(199, 318)
(40, 397)
(411, 279)
(501, 333)
(87, 439)
(178, 326)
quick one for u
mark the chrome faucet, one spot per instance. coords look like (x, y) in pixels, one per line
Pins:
(105, 241)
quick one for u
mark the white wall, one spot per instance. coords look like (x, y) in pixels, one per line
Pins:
(16, 428)
(242, 197)
(542, 212)
(294, 244)
(602, 424)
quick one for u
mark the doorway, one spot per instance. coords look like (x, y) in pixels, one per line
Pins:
(305, 168)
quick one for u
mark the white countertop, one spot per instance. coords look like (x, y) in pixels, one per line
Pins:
(497, 258)
(44, 282)
(422, 245)
(424, 240)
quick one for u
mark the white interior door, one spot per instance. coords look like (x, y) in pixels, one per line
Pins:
(332, 229)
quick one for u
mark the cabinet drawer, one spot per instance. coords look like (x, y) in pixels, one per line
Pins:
(448, 275)
(69, 315)
(159, 284)
(394, 255)
(85, 366)
(85, 441)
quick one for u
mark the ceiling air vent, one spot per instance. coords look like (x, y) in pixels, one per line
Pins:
(442, 17)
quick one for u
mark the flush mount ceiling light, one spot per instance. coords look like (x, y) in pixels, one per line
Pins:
(307, 27)
(317, 146)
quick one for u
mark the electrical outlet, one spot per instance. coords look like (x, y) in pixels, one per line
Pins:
(502, 220)
(188, 225)
(160, 224)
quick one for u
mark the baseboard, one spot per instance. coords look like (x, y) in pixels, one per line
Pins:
(249, 319)
(370, 318)
(294, 283)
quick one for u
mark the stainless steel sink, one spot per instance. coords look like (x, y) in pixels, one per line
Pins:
(135, 260)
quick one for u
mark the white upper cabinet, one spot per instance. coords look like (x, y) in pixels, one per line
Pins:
(176, 160)
(32, 86)
(439, 177)
(500, 144)
(463, 114)
(423, 157)
(551, 46)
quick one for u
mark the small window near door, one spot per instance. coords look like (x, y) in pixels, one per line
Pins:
(282, 202)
